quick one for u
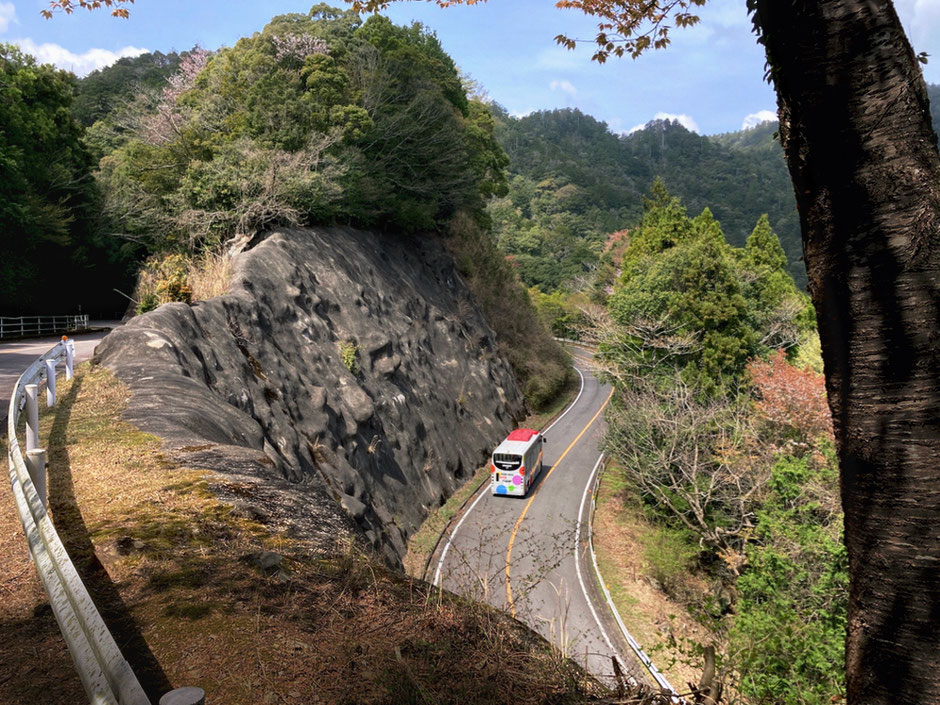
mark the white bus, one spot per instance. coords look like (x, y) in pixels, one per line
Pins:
(516, 462)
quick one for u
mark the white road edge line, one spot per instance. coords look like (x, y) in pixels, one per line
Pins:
(577, 563)
(440, 563)
(634, 645)
(571, 405)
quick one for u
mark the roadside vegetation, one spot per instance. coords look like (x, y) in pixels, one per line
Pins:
(201, 594)
(724, 468)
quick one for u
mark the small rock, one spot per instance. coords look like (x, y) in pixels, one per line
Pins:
(267, 561)
(126, 545)
(355, 508)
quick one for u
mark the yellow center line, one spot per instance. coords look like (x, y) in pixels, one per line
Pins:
(515, 529)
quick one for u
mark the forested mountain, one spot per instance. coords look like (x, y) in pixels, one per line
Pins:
(573, 182)
(105, 90)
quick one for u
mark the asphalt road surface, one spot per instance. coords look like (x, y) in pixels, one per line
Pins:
(17, 355)
(529, 554)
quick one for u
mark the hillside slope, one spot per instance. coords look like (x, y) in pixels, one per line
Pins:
(348, 377)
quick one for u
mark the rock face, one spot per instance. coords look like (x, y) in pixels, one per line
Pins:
(254, 384)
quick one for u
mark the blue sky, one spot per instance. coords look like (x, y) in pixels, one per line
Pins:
(710, 78)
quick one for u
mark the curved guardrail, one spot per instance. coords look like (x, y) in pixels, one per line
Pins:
(638, 651)
(106, 676)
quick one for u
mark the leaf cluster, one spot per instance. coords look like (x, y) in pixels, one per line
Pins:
(118, 7)
(624, 28)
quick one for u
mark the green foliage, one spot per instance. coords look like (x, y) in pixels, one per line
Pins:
(106, 90)
(541, 365)
(669, 555)
(349, 354)
(48, 200)
(687, 296)
(559, 312)
(702, 447)
(551, 231)
(791, 610)
(319, 118)
(739, 176)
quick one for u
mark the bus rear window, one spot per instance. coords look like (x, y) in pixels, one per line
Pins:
(504, 461)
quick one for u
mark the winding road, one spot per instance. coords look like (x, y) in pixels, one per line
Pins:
(17, 355)
(530, 554)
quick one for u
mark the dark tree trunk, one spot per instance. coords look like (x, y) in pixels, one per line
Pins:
(856, 131)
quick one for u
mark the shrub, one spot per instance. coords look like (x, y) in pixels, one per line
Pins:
(349, 354)
(178, 277)
(791, 401)
(541, 365)
(789, 630)
(669, 555)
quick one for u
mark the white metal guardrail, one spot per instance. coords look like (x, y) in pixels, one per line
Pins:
(105, 674)
(24, 326)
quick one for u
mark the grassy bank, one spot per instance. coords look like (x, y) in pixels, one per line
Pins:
(641, 565)
(199, 595)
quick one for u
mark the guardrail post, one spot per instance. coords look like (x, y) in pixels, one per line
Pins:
(69, 356)
(50, 382)
(32, 416)
(36, 467)
(184, 696)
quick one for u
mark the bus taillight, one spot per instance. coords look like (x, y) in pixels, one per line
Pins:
(492, 468)
(522, 470)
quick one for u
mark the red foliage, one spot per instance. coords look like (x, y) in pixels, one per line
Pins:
(792, 400)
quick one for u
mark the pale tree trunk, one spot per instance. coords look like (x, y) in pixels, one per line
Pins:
(855, 127)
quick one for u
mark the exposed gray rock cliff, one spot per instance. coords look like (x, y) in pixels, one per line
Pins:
(253, 384)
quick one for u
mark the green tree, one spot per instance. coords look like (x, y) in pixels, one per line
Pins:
(687, 296)
(47, 196)
(318, 118)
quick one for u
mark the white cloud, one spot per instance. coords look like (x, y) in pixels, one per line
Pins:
(80, 64)
(920, 19)
(522, 113)
(687, 121)
(755, 119)
(564, 87)
(7, 16)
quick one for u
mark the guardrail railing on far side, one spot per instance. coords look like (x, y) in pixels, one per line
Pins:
(25, 326)
(105, 674)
